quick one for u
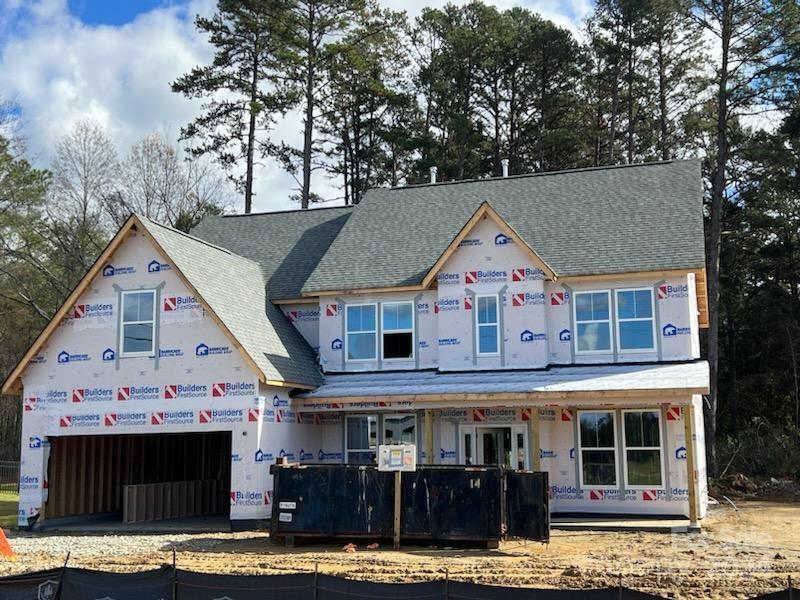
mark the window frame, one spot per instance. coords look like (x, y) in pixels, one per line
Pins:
(403, 415)
(625, 448)
(619, 320)
(347, 332)
(610, 319)
(348, 450)
(478, 324)
(584, 485)
(411, 331)
(122, 322)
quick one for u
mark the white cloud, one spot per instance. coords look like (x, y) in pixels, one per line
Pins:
(60, 70)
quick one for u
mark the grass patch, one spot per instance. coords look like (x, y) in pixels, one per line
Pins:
(8, 509)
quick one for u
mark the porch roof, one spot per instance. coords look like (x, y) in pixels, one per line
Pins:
(667, 380)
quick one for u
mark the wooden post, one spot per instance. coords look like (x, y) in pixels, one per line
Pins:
(534, 440)
(429, 456)
(398, 480)
(691, 465)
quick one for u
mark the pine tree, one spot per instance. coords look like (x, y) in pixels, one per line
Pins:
(240, 102)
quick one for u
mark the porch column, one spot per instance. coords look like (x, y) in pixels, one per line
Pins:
(535, 443)
(691, 465)
(429, 437)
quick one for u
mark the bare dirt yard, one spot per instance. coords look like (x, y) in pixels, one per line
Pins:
(739, 554)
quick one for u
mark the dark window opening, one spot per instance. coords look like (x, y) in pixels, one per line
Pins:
(398, 345)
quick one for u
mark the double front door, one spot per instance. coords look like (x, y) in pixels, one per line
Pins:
(494, 445)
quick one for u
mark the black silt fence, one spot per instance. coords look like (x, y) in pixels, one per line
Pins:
(168, 583)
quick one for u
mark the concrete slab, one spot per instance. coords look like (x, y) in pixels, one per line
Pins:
(595, 523)
(112, 526)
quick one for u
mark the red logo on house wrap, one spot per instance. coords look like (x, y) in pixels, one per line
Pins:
(205, 416)
(566, 414)
(471, 277)
(556, 298)
(77, 395)
(279, 416)
(674, 413)
(596, 494)
(331, 310)
(110, 419)
(253, 415)
(218, 390)
(157, 418)
(467, 302)
(292, 315)
(79, 311)
(649, 495)
(65, 422)
(170, 303)
(517, 299)
(123, 393)
(663, 292)
(478, 414)
(170, 392)
(518, 274)
(30, 404)
(268, 497)
(526, 414)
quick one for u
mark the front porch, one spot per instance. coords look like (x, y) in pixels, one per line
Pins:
(614, 439)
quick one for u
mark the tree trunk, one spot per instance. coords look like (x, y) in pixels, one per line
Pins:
(251, 137)
(612, 130)
(631, 100)
(662, 99)
(308, 125)
(715, 239)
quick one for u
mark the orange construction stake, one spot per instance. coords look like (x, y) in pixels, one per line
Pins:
(5, 547)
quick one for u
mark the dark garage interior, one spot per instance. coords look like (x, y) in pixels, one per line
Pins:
(137, 478)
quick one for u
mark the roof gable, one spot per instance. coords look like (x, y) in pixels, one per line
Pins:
(232, 290)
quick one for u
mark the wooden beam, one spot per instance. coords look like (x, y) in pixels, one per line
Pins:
(691, 466)
(655, 275)
(542, 398)
(701, 292)
(534, 439)
(374, 290)
(305, 300)
(429, 437)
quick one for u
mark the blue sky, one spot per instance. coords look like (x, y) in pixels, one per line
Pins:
(113, 60)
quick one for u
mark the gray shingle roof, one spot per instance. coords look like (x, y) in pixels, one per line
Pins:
(234, 287)
(583, 222)
(288, 245)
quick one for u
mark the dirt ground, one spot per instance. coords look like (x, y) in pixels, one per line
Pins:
(739, 554)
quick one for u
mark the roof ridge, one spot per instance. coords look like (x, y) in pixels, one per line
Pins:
(190, 236)
(283, 212)
(539, 174)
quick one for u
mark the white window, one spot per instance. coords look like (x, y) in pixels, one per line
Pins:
(598, 449)
(397, 326)
(137, 323)
(635, 329)
(488, 329)
(642, 433)
(593, 321)
(362, 333)
(400, 429)
(361, 439)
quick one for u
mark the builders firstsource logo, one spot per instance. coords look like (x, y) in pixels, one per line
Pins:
(249, 498)
(488, 276)
(93, 394)
(526, 274)
(172, 417)
(128, 419)
(527, 299)
(447, 304)
(67, 421)
(56, 397)
(186, 390)
(180, 303)
(672, 291)
(223, 415)
(231, 389)
(302, 316)
(448, 278)
(92, 311)
(137, 392)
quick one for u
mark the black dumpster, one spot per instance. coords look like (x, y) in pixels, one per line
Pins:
(331, 501)
(459, 503)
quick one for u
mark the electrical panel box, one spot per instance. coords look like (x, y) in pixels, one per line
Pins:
(397, 457)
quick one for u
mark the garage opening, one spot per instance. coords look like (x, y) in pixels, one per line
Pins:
(137, 478)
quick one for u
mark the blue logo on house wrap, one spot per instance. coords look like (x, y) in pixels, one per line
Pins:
(670, 330)
(322, 455)
(34, 442)
(336, 344)
(444, 454)
(65, 357)
(155, 266)
(110, 270)
(529, 336)
(680, 453)
(564, 335)
(202, 350)
(501, 239)
(109, 354)
(278, 402)
(287, 455)
(262, 456)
